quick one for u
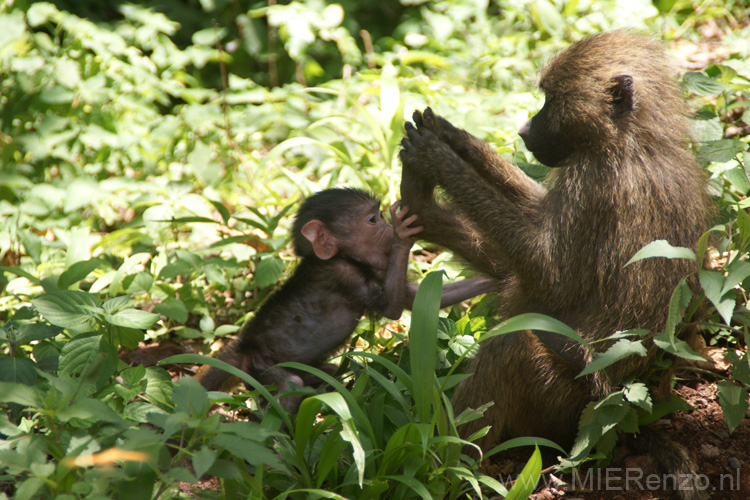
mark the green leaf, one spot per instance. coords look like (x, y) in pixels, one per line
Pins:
(39, 13)
(702, 85)
(621, 349)
(69, 308)
(132, 318)
(538, 322)
(91, 411)
(20, 272)
(664, 6)
(21, 370)
(526, 482)
(681, 298)
(269, 271)
(77, 272)
(203, 459)
(663, 408)
(547, 17)
(174, 309)
(24, 395)
(662, 248)
(714, 286)
(524, 441)
(219, 206)
(637, 393)
(733, 400)
(190, 398)
(89, 354)
(721, 151)
(30, 332)
(423, 340)
(232, 370)
(297, 142)
(12, 27)
(679, 348)
(33, 245)
(349, 433)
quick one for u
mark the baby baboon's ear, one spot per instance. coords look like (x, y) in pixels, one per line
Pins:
(325, 245)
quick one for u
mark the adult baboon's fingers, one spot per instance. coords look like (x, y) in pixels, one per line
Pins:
(417, 117)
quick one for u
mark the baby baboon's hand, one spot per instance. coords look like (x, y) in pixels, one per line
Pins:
(402, 231)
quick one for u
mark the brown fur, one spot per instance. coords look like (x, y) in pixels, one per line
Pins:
(352, 261)
(615, 127)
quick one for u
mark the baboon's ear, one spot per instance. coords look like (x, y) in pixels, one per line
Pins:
(622, 95)
(325, 245)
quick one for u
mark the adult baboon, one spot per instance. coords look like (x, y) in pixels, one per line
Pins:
(614, 126)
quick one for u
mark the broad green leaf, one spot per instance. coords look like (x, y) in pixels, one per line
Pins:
(621, 349)
(91, 411)
(22, 394)
(132, 318)
(21, 370)
(526, 481)
(190, 398)
(663, 408)
(28, 489)
(13, 25)
(733, 401)
(89, 354)
(203, 459)
(702, 85)
(30, 332)
(138, 283)
(721, 151)
(296, 142)
(173, 309)
(205, 360)
(662, 248)
(269, 271)
(714, 286)
(68, 309)
(209, 37)
(251, 451)
(77, 272)
(679, 348)
(637, 393)
(39, 13)
(33, 245)
(547, 17)
(664, 6)
(739, 271)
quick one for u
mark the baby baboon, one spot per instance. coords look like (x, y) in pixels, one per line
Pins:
(614, 126)
(352, 261)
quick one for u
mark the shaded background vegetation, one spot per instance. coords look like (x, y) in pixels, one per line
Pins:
(151, 155)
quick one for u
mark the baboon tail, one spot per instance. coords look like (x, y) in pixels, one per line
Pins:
(214, 379)
(681, 469)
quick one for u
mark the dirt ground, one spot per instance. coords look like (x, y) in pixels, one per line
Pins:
(723, 459)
